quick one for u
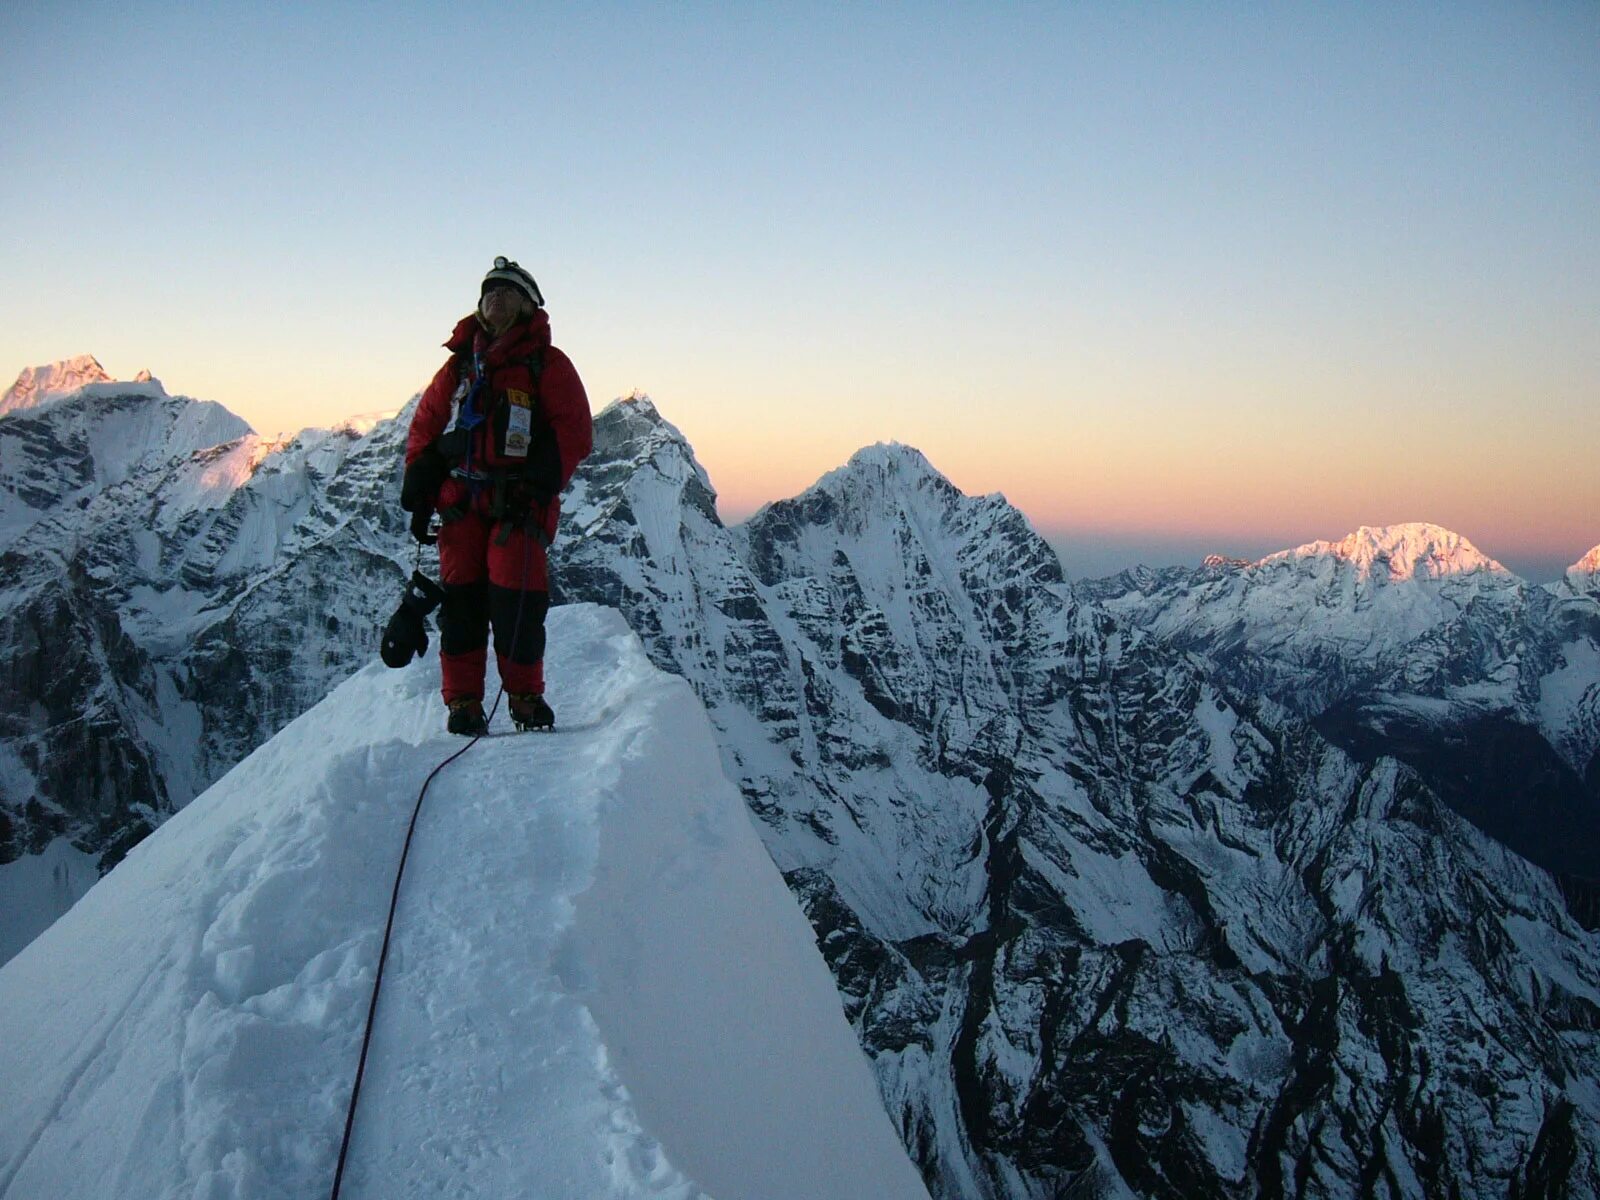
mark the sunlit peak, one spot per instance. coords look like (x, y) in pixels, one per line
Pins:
(1412, 550)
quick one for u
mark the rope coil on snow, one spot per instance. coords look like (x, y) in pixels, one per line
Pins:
(394, 898)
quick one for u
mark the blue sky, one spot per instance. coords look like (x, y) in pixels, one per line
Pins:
(1206, 277)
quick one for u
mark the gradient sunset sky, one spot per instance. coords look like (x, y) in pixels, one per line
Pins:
(1175, 278)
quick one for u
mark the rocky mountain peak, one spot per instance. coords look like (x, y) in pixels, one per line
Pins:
(1582, 577)
(889, 509)
(1413, 550)
(895, 467)
(885, 471)
(892, 457)
(1222, 562)
(35, 385)
(635, 418)
(632, 428)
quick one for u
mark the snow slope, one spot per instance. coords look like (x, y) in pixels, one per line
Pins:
(599, 987)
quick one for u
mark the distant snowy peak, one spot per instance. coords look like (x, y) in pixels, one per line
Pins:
(641, 468)
(893, 456)
(59, 453)
(38, 384)
(1415, 550)
(892, 474)
(364, 423)
(1583, 576)
(886, 461)
(887, 499)
(635, 420)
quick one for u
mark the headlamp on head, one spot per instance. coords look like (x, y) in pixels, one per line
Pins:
(505, 273)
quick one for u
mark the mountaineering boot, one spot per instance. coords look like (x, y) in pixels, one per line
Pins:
(529, 711)
(466, 718)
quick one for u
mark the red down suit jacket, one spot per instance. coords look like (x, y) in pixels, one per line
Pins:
(560, 401)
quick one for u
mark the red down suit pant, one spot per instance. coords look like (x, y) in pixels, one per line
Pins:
(495, 572)
(486, 587)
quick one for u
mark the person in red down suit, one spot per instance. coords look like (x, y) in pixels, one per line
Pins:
(495, 438)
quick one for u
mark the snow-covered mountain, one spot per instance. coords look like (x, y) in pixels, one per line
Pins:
(1100, 923)
(1358, 605)
(62, 456)
(599, 984)
(1582, 578)
(39, 385)
(1103, 919)
(1408, 641)
(176, 589)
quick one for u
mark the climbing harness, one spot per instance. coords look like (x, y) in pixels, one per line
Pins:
(394, 898)
(517, 433)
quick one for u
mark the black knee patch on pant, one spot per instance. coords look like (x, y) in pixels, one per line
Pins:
(529, 631)
(464, 617)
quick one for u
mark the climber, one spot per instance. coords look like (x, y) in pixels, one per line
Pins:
(495, 438)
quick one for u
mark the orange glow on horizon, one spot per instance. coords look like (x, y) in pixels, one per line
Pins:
(1500, 504)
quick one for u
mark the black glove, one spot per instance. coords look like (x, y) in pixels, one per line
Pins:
(419, 526)
(406, 635)
(424, 476)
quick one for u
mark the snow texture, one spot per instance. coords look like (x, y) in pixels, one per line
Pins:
(599, 986)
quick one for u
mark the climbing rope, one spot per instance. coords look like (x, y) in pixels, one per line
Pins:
(394, 898)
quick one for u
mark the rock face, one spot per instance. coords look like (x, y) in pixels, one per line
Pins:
(1408, 642)
(1105, 914)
